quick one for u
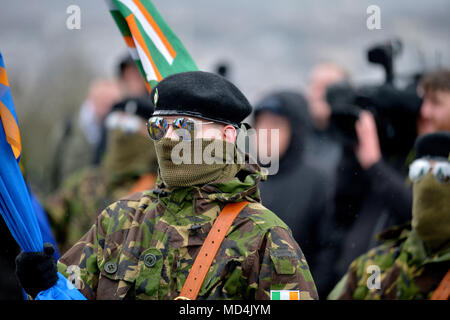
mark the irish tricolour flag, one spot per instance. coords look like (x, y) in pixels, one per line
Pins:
(155, 48)
(284, 295)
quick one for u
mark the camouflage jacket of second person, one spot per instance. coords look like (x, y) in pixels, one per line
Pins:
(407, 270)
(74, 207)
(141, 247)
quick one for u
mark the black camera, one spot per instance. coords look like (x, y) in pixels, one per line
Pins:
(395, 109)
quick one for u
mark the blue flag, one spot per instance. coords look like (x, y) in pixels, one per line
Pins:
(44, 224)
(15, 204)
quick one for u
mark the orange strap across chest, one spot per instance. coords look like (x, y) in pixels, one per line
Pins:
(443, 290)
(209, 249)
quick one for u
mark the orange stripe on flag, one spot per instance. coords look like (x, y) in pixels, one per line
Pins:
(293, 295)
(156, 28)
(3, 77)
(148, 87)
(11, 130)
(130, 42)
(138, 36)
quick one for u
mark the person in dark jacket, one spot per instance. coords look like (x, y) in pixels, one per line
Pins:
(297, 192)
(370, 196)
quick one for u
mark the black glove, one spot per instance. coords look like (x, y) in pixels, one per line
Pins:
(36, 271)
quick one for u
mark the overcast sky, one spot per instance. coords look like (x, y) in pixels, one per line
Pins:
(270, 44)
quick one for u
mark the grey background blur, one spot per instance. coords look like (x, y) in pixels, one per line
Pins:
(269, 45)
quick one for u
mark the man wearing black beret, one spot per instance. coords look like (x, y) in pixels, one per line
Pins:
(202, 233)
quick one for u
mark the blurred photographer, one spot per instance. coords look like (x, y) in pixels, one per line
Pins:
(376, 126)
(370, 196)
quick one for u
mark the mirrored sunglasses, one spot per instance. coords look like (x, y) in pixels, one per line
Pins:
(420, 167)
(184, 128)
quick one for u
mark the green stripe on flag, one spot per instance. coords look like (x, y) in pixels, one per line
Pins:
(121, 23)
(284, 294)
(159, 50)
(275, 295)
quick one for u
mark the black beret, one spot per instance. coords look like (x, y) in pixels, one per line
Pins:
(200, 94)
(433, 145)
(142, 107)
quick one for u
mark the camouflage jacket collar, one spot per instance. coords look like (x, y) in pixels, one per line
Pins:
(244, 186)
(413, 246)
(421, 254)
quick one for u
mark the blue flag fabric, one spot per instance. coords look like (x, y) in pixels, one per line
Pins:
(44, 224)
(62, 290)
(15, 204)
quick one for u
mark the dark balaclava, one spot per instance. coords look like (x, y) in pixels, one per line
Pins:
(431, 211)
(129, 151)
(431, 198)
(128, 154)
(196, 162)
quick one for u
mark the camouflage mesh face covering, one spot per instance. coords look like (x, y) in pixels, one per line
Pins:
(128, 153)
(431, 211)
(196, 162)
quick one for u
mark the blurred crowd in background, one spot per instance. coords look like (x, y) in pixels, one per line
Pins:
(345, 146)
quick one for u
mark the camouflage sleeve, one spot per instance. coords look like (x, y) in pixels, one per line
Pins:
(346, 287)
(359, 281)
(281, 265)
(79, 264)
(353, 286)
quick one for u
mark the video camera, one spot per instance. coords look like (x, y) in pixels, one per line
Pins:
(395, 109)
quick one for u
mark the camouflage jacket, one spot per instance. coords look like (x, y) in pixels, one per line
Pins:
(74, 207)
(406, 270)
(141, 247)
